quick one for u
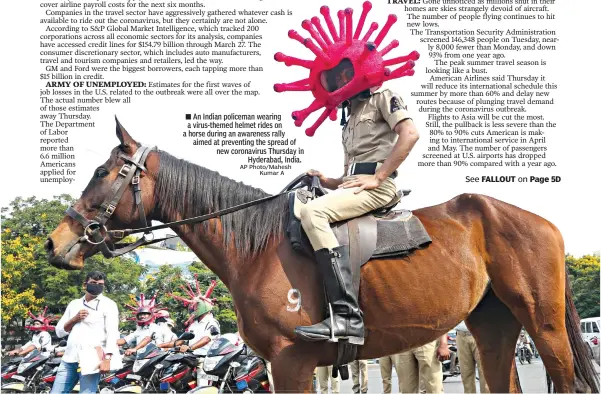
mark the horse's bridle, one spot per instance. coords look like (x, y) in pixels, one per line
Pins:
(93, 229)
(96, 233)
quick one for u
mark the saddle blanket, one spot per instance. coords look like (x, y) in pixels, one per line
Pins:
(400, 234)
(394, 234)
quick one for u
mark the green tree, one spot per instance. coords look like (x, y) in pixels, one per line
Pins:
(584, 279)
(18, 294)
(34, 217)
(27, 274)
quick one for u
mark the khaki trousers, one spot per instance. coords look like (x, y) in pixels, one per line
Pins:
(324, 375)
(359, 375)
(338, 205)
(468, 359)
(420, 363)
(386, 364)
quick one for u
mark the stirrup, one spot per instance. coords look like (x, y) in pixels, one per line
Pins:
(333, 338)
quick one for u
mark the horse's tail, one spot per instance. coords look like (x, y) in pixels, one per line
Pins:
(583, 366)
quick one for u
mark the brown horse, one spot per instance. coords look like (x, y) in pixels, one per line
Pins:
(491, 264)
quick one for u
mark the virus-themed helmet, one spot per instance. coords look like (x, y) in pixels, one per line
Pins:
(345, 65)
(42, 318)
(145, 311)
(197, 303)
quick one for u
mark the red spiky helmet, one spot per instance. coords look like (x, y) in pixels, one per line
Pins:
(147, 307)
(345, 65)
(42, 318)
(197, 302)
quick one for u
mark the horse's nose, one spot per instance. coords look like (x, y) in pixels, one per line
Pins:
(49, 246)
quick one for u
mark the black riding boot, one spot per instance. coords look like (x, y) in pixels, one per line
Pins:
(345, 315)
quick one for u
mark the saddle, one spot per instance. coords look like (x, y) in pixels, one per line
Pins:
(378, 234)
(382, 233)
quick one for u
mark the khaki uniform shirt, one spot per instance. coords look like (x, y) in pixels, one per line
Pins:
(368, 135)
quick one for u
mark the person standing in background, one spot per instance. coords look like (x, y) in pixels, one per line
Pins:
(324, 376)
(359, 374)
(423, 363)
(469, 360)
(386, 364)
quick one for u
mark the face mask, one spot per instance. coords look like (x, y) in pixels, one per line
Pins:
(94, 288)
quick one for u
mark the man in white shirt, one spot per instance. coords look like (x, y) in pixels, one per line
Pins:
(205, 328)
(469, 360)
(166, 334)
(41, 339)
(145, 333)
(92, 323)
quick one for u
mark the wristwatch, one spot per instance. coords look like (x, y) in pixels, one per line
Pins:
(108, 356)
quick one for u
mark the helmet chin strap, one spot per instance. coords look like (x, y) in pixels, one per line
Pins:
(346, 104)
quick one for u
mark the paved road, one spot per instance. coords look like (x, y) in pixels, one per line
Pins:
(532, 380)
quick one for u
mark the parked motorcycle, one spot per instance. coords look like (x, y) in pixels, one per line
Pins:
(144, 371)
(147, 369)
(251, 375)
(232, 366)
(29, 373)
(49, 374)
(450, 367)
(9, 367)
(180, 376)
(524, 353)
(178, 370)
(113, 380)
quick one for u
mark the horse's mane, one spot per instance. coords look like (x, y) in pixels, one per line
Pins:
(191, 190)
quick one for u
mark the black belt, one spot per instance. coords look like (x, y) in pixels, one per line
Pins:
(367, 169)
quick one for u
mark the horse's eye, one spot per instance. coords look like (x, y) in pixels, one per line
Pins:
(101, 172)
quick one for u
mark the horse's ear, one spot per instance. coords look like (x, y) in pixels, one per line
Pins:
(128, 144)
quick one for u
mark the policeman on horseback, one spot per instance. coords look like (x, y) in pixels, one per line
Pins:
(377, 138)
(348, 72)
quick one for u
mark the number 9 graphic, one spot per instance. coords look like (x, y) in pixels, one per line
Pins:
(294, 297)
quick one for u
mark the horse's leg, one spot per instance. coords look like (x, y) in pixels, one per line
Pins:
(496, 332)
(537, 300)
(526, 264)
(292, 369)
(553, 326)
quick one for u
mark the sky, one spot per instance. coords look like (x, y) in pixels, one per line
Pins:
(572, 204)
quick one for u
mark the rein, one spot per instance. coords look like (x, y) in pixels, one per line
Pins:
(96, 233)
